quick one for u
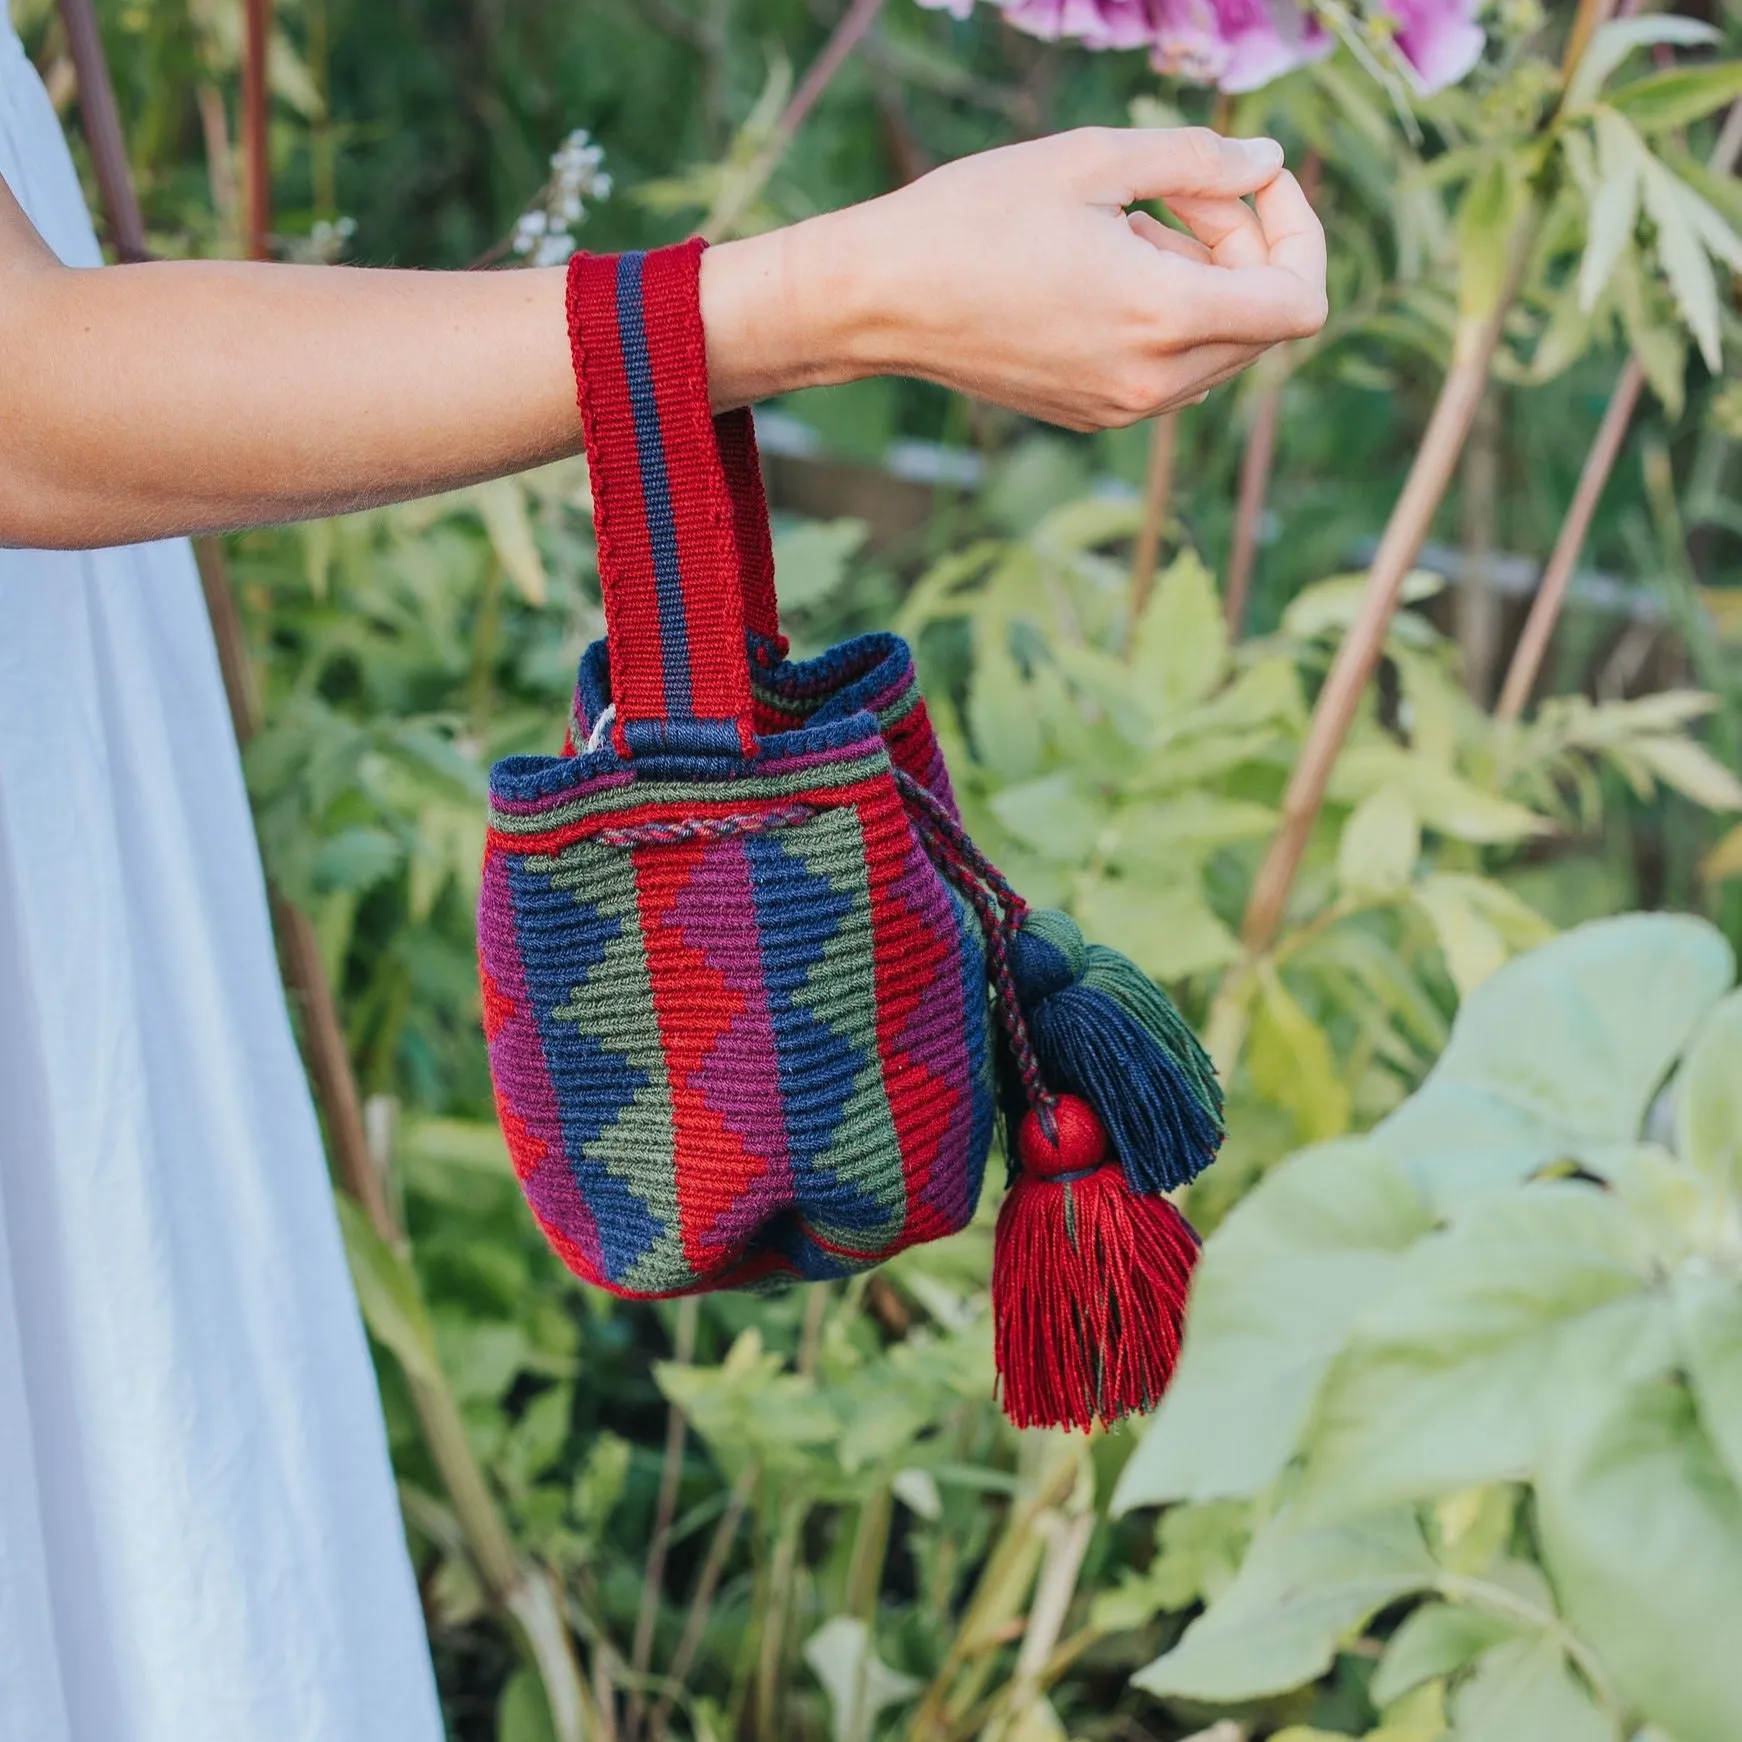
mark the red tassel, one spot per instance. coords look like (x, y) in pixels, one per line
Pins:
(1089, 1280)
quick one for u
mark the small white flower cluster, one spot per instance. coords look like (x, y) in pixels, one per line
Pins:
(544, 234)
(324, 245)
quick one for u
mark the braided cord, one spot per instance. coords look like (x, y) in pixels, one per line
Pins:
(1001, 912)
(705, 828)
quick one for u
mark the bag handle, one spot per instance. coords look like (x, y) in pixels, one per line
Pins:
(686, 563)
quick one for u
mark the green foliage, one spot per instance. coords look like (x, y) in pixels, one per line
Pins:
(1521, 1406)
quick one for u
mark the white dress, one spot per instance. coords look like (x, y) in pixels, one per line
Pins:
(199, 1536)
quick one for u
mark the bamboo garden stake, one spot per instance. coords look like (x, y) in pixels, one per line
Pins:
(1436, 459)
(1545, 608)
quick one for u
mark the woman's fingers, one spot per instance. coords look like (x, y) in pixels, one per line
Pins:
(1158, 163)
(1158, 235)
(1254, 305)
(1229, 228)
(1292, 231)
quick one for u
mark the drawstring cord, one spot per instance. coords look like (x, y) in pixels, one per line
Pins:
(1000, 911)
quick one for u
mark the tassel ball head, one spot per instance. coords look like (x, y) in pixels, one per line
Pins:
(1076, 1144)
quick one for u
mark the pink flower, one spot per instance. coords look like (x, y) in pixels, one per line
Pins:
(1439, 39)
(1239, 45)
(1236, 45)
(1095, 23)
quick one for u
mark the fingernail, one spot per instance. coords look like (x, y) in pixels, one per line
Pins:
(1262, 153)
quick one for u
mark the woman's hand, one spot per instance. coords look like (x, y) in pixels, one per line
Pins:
(1020, 276)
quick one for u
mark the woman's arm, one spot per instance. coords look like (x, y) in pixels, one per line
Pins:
(140, 401)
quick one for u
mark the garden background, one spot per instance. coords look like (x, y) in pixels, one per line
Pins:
(1456, 1447)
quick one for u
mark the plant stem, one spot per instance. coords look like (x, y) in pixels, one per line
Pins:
(776, 1622)
(102, 124)
(702, 1603)
(1477, 607)
(998, 1594)
(1429, 475)
(1157, 499)
(736, 199)
(1499, 1600)
(1586, 21)
(1545, 608)
(255, 145)
(670, 1478)
(1256, 460)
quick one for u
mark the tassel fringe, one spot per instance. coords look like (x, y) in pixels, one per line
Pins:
(1089, 1287)
(1103, 1030)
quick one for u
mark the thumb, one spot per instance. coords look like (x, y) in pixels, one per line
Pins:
(1151, 163)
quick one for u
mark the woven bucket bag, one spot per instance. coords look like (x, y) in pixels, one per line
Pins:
(737, 1019)
(752, 996)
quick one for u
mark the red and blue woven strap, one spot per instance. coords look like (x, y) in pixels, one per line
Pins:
(685, 559)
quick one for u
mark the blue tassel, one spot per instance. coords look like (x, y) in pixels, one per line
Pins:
(1102, 1029)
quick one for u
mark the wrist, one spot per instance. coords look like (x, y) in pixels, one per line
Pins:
(788, 309)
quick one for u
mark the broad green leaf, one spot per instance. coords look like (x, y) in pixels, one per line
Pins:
(1280, 1283)
(387, 1291)
(1725, 859)
(1691, 769)
(917, 1490)
(811, 558)
(1380, 844)
(1448, 1377)
(942, 591)
(1088, 521)
(1658, 340)
(1514, 919)
(1612, 44)
(749, 1407)
(501, 504)
(1167, 928)
(1330, 606)
(1464, 811)
(523, 1712)
(1437, 1640)
(357, 859)
(1641, 1529)
(1558, 1055)
(1299, 1594)
(1057, 815)
(1478, 923)
(1678, 95)
(1682, 255)
(1524, 1691)
(1109, 688)
(1290, 1059)
(860, 1685)
(1002, 714)
(1709, 1097)
(1180, 650)
(473, 1144)
(1566, 337)
(1678, 1209)
(1441, 799)
(1198, 1554)
(1614, 208)
(1709, 1313)
(1472, 1525)
(1170, 836)
(1472, 947)
(1418, 1717)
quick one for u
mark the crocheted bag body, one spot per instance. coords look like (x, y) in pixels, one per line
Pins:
(737, 1019)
